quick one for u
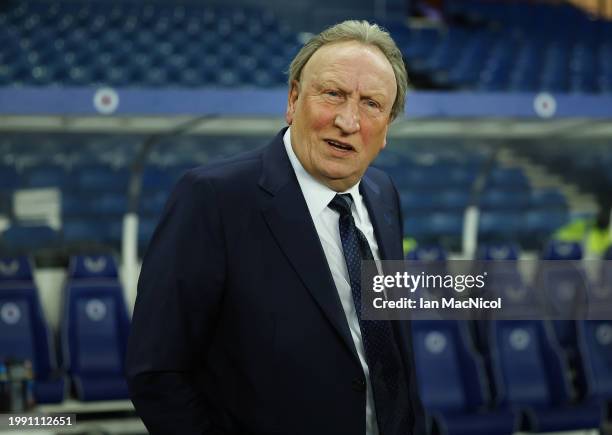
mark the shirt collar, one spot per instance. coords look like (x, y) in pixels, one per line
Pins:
(317, 195)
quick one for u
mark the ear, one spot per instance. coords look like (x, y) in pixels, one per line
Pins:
(291, 101)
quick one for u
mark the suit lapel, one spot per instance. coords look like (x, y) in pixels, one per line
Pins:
(382, 217)
(288, 218)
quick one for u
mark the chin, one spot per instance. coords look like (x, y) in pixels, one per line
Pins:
(338, 178)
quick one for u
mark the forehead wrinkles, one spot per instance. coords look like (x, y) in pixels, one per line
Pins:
(351, 64)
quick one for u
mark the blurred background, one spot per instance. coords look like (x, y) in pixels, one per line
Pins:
(504, 153)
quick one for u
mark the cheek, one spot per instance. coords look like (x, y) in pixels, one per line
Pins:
(373, 136)
(321, 118)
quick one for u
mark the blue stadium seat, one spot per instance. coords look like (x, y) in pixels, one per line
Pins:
(499, 225)
(431, 226)
(560, 250)
(501, 199)
(533, 376)
(107, 204)
(427, 253)
(47, 176)
(595, 339)
(452, 381)
(98, 178)
(600, 293)
(509, 179)
(24, 334)
(499, 252)
(80, 230)
(94, 329)
(565, 287)
(548, 198)
(9, 178)
(539, 225)
(28, 238)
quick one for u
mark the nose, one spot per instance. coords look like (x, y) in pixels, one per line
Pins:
(347, 118)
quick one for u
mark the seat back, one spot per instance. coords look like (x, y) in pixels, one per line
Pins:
(595, 344)
(24, 333)
(449, 372)
(527, 362)
(499, 252)
(427, 253)
(559, 250)
(95, 322)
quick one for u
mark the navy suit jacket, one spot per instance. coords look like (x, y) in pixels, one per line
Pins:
(238, 327)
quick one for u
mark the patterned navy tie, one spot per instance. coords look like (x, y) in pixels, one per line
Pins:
(389, 385)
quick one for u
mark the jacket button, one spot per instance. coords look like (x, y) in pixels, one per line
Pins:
(358, 385)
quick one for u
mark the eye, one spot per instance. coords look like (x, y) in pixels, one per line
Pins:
(372, 104)
(332, 93)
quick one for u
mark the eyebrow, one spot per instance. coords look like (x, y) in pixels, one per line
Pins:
(376, 95)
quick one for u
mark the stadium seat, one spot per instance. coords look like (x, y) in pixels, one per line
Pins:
(548, 199)
(539, 225)
(532, 375)
(508, 179)
(499, 252)
(94, 329)
(496, 226)
(28, 238)
(452, 381)
(24, 334)
(99, 178)
(565, 288)
(500, 199)
(47, 176)
(559, 250)
(595, 340)
(428, 253)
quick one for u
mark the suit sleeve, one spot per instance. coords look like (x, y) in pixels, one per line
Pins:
(179, 292)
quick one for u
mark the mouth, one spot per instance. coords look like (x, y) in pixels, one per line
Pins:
(342, 146)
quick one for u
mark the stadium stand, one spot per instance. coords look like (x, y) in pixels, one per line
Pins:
(512, 46)
(121, 44)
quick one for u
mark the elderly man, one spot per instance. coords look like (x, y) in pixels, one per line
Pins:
(247, 319)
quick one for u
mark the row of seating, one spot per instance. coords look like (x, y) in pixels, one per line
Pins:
(517, 378)
(586, 165)
(46, 44)
(525, 367)
(102, 224)
(530, 227)
(509, 371)
(93, 332)
(190, 45)
(512, 46)
(491, 199)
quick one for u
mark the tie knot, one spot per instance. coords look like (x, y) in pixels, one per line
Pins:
(342, 204)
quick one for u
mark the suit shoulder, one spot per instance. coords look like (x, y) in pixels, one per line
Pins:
(380, 177)
(239, 168)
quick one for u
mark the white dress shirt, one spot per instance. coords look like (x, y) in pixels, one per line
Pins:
(318, 196)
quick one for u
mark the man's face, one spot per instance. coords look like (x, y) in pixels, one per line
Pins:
(340, 111)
